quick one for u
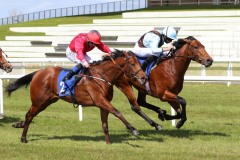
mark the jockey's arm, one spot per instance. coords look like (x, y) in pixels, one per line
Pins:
(103, 48)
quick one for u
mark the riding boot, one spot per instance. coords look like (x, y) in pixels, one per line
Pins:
(149, 60)
(74, 71)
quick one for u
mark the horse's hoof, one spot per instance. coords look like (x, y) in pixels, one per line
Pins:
(158, 127)
(179, 125)
(17, 125)
(161, 114)
(135, 132)
(24, 140)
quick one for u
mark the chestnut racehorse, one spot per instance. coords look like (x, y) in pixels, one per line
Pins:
(166, 79)
(94, 89)
(4, 64)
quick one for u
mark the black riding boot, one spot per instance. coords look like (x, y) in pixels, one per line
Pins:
(74, 71)
(148, 61)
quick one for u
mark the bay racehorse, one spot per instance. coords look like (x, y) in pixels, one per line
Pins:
(166, 79)
(4, 64)
(94, 89)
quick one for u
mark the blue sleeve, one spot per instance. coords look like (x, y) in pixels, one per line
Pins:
(152, 40)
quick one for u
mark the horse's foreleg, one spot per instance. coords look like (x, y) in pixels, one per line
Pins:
(106, 105)
(104, 118)
(184, 114)
(128, 91)
(141, 100)
(180, 113)
(144, 116)
(127, 124)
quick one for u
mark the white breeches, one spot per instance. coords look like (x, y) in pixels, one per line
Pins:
(72, 56)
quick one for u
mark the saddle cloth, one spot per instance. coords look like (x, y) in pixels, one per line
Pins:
(149, 67)
(65, 88)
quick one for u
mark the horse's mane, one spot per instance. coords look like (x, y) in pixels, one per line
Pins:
(115, 54)
(180, 42)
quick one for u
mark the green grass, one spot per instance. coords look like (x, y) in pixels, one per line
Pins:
(211, 131)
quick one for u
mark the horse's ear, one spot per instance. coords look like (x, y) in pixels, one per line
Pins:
(187, 40)
(125, 53)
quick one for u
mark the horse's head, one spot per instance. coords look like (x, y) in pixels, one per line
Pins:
(4, 64)
(133, 68)
(194, 50)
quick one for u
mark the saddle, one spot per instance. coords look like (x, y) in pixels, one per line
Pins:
(67, 88)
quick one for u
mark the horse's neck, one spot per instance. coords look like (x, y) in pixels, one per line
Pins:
(107, 71)
(180, 62)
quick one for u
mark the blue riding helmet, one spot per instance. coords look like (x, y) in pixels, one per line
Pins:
(170, 32)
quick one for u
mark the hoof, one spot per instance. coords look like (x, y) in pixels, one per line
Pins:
(24, 140)
(17, 125)
(179, 124)
(135, 132)
(161, 114)
(158, 127)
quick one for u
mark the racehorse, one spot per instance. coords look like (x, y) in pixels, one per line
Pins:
(4, 64)
(94, 89)
(166, 79)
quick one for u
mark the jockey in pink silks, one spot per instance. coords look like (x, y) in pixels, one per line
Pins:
(79, 46)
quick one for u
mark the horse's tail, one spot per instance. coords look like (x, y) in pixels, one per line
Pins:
(23, 81)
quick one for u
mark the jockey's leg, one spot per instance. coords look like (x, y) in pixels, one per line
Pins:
(74, 71)
(149, 60)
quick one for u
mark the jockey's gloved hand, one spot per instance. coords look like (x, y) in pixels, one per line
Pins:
(172, 51)
(85, 64)
(106, 54)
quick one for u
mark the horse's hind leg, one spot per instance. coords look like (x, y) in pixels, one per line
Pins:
(104, 118)
(33, 111)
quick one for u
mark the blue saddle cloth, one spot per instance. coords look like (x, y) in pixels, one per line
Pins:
(65, 88)
(149, 67)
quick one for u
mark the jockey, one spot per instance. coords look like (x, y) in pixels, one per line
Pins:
(82, 43)
(149, 45)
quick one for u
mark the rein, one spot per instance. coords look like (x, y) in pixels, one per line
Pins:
(132, 75)
(99, 78)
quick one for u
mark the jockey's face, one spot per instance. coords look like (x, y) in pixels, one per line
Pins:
(91, 44)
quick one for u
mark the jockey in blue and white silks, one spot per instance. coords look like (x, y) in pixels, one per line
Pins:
(149, 45)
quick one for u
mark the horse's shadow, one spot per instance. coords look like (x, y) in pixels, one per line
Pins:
(148, 135)
(7, 119)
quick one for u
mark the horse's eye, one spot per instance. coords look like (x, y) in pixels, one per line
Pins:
(132, 64)
(195, 47)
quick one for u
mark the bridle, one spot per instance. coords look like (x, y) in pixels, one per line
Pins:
(3, 60)
(194, 57)
(132, 74)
